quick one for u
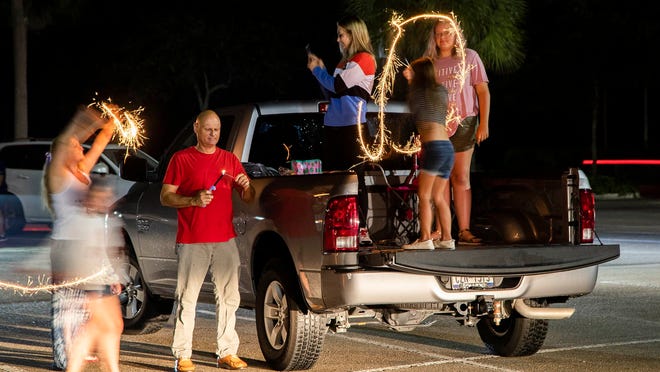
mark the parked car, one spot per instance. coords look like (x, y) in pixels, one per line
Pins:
(25, 159)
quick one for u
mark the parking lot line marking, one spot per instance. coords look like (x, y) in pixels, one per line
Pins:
(607, 344)
(444, 359)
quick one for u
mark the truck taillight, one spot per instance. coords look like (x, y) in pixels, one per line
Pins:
(341, 225)
(587, 216)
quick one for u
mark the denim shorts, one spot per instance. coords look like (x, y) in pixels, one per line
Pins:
(437, 158)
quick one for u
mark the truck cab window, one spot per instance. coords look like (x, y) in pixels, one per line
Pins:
(278, 139)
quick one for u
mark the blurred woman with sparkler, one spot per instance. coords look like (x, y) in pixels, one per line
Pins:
(469, 110)
(349, 89)
(100, 260)
(428, 104)
(65, 183)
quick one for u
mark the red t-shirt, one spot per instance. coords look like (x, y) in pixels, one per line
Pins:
(192, 171)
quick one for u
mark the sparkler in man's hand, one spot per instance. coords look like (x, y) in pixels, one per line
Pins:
(205, 196)
(241, 180)
(212, 188)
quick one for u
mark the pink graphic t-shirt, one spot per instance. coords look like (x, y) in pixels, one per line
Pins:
(463, 100)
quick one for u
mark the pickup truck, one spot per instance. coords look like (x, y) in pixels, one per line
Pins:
(304, 273)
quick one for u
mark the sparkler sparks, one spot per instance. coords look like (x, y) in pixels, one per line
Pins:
(378, 148)
(386, 83)
(129, 131)
(129, 126)
(43, 283)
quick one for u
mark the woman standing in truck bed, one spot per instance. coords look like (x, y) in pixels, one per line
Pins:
(349, 89)
(428, 105)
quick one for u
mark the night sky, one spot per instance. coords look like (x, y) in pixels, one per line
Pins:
(144, 54)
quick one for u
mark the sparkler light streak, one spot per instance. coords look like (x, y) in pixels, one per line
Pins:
(129, 130)
(129, 127)
(379, 148)
(43, 286)
(387, 77)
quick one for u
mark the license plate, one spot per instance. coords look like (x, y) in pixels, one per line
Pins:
(471, 282)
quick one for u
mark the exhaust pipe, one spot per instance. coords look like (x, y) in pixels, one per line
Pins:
(541, 312)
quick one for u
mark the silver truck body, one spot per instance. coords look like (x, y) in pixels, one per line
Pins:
(301, 289)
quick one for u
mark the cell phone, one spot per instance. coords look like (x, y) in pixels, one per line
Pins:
(308, 49)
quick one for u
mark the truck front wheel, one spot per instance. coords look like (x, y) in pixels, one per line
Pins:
(289, 339)
(134, 298)
(514, 336)
(139, 306)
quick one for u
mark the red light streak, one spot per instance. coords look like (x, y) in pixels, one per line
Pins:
(622, 162)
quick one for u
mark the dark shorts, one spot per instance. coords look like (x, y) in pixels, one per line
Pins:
(465, 136)
(437, 158)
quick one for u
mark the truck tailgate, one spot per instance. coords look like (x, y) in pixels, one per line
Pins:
(493, 260)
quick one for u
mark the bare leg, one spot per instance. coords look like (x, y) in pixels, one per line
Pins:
(81, 344)
(424, 190)
(102, 331)
(461, 188)
(442, 210)
(110, 326)
(446, 193)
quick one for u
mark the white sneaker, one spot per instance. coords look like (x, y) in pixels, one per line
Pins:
(363, 237)
(444, 244)
(426, 244)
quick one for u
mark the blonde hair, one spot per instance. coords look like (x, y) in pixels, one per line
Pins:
(361, 42)
(432, 49)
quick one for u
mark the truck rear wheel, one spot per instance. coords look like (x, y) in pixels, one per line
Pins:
(289, 339)
(514, 336)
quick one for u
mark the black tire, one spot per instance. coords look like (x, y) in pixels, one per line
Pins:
(134, 298)
(289, 339)
(515, 336)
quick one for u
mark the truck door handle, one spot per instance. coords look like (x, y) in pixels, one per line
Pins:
(142, 224)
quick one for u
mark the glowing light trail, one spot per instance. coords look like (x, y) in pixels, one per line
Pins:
(129, 130)
(387, 77)
(129, 126)
(42, 286)
(623, 161)
(378, 149)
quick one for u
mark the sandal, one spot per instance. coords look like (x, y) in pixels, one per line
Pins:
(466, 237)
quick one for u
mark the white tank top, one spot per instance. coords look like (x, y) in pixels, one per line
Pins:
(65, 205)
